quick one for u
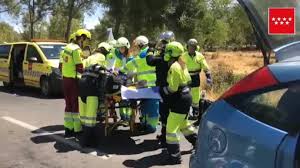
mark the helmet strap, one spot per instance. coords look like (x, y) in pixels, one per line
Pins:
(140, 46)
(103, 51)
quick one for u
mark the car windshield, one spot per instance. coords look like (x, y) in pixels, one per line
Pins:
(52, 51)
(259, 9)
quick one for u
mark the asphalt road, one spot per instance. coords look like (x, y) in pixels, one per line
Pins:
(31, 131)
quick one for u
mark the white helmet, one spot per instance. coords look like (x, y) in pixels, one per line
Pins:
(123, 42)
(142, 40)
(105, 45)
(112, 43)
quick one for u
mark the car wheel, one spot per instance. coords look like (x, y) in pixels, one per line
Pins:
(45, 87)
(5, 84)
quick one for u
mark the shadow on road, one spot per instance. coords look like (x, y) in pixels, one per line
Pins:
(120, 143)
(153, 160)
(27, 92)
(59, 146)
(50, 128)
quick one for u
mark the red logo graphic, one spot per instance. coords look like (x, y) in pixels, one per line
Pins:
(282, 21)
(30, 66)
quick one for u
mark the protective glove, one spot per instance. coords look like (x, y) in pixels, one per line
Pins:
(208, 78)
(209, 81)
(163, 93)
(150, 51)
(130, 75)
(141, 84)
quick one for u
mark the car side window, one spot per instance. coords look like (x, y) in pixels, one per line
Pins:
(33, 55)
(279, 108)
(4, 51)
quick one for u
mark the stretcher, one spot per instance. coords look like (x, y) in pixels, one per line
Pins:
(127, 93)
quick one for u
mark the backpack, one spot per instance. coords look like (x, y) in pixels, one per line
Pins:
(93, 81)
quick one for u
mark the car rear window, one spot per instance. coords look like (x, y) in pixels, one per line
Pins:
(277, 107)
(4, 51)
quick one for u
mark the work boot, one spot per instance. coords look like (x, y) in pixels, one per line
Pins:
(162, 140)
(84, 138)
(195, 114)
(197, 123)
(77, 135)
(174, 160)
(68, 133)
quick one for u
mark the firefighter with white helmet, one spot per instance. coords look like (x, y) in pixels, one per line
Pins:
(117, 60)
(146, 77)
(196, 63)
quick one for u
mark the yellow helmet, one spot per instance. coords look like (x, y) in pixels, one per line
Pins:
(174, 49)
(72, 37)
(105, 45)
(81, 32)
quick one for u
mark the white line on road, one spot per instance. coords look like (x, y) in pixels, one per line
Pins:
(57, 138)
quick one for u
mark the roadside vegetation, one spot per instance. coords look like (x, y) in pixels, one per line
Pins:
(228, 67)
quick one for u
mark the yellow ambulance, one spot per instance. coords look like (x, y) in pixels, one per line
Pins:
(33, 64)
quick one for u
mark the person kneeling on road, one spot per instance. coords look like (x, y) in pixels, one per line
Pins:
(91, 91)
(180, 100)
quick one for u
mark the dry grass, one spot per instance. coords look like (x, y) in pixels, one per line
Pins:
(229, 67)
(240, 62)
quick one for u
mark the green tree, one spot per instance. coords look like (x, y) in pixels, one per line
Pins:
(10, 6)
(182, 17)
(241, 26)
(134, 17)
(74, 9)
(212, 31)
(58, 22)
(7, 33)
(99, 32)
(34, 12)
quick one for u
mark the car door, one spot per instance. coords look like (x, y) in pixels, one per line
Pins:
(264, 126)
(32, 65)
(4, 62)
(257, 129)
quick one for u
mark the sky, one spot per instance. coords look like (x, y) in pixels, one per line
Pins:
(89, 21)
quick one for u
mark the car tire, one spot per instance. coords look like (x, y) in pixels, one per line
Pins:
(45, 87)
(5, 84)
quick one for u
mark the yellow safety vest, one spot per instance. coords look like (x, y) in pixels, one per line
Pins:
(177, 77)
(195, 63)
(142, 70)
(70, 57)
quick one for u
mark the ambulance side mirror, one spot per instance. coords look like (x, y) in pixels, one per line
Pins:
(33, 59)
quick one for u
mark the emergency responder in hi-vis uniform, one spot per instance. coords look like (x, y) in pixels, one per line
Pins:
(71, 67)
(146, 77)
(180, 101)
(91, 91)
(155, 58)
(196, 62)
(122, 56)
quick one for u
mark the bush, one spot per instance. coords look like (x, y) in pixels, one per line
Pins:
(223, 79)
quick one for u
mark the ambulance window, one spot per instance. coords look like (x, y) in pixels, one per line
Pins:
(4, 51)
(33, 53)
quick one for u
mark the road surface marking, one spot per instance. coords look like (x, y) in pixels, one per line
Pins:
(42, 132)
